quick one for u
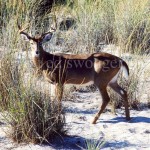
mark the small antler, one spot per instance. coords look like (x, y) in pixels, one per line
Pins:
(55, 24)
(21, 30)
(52, 29)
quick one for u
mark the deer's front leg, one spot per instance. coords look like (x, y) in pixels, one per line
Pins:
(59, 94)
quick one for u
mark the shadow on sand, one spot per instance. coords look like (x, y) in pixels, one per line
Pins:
(80, 143)
(79, 111)
(118, 145)
(122, 119)
(114, 120)
(69, 142)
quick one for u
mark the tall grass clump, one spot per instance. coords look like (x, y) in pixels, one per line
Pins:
(31, 114)
(122, 22)
(95, 145)
(8, 79)
(36, 120)
(132, 25)
(93, 24)
(11, 11)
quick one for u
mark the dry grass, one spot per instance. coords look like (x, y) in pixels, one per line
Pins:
(31, 114)
(122, 22)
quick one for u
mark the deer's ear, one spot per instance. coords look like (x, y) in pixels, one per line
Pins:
(47, 37)
(25, 37)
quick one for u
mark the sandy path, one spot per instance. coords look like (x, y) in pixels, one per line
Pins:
(112, 129)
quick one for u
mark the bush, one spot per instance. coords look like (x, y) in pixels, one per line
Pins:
(35, 119)
(121, 22)
(31, 114)
(132, 25)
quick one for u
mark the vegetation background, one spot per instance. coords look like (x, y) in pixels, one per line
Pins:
(83, 26)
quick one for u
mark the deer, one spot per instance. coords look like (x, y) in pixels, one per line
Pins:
(101, 69)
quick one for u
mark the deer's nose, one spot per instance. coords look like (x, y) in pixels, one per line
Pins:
(37, 52)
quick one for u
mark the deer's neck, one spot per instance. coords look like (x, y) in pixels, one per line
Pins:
(41, 58)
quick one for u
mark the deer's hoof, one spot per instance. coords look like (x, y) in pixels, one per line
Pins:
(128, 118)
(94, 121)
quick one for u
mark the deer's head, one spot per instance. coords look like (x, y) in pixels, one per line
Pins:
(37, 40)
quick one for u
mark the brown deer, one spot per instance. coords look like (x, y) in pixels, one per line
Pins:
(59, 69)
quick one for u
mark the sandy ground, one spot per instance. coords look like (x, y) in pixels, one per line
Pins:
(113, 131)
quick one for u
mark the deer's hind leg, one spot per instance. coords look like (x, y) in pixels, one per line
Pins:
(123, 95)
(105, 101)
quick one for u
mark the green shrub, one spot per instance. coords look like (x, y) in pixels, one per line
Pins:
(31, 114)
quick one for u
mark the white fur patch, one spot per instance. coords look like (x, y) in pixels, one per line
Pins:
(122, 92)
(125, 72)
(114, 79)
(34, 54)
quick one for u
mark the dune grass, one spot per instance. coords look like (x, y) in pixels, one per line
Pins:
(122, 22)
(125, 23)
(32, 115)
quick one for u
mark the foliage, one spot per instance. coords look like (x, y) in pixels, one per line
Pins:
(32, 115)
